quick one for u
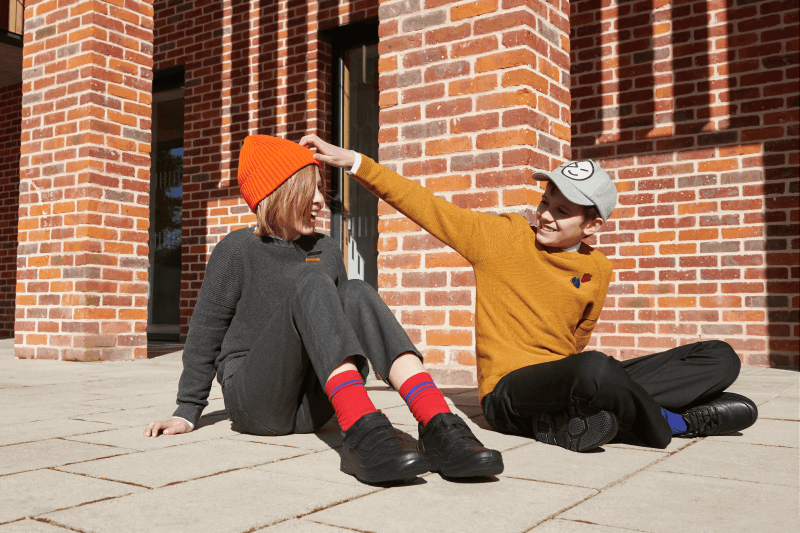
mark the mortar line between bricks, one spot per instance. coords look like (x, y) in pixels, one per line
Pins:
(614, 483)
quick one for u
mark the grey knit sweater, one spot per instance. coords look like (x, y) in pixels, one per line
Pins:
(244, 275)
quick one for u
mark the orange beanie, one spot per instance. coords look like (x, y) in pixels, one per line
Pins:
(265, 162)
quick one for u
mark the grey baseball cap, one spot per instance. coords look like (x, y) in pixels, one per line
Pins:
(584, 183)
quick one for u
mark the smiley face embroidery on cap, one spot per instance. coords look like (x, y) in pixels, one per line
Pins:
(578, 170)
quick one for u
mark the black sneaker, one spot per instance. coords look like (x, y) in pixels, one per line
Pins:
(728, 413)
(454, 451)
(375, 452)
(577, 429)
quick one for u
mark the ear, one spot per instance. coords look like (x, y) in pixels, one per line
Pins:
(592, 227)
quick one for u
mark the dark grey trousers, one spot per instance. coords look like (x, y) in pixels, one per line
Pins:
(634, 390)
(279, 386)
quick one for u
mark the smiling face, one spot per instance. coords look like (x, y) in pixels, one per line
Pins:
(561, 223)
(306, 222)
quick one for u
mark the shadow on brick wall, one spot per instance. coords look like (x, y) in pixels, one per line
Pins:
(755, 106)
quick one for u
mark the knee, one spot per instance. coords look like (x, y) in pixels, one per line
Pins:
(727, 360)
(313, 281)
(592, 368)
(357, 291)
(591, 363)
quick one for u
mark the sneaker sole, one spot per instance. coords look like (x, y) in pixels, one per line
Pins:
(486, 463)
(582, 435)
(409, 468)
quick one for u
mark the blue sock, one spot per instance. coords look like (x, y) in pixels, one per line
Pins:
(675, 421)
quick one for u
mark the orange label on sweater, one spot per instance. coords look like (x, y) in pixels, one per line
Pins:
(313, 259)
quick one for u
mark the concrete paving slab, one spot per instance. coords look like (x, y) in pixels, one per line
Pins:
(774, 380)
(759, 396)
(783, 407)
(167, 400)
(768, 433)
(596, 470)
(789, 376)
(49, 429)
(31, 526)
(46, 412)
(320, 465)
(142, 416)
(229, 503)
(49, 453)
(158, 468)
(558, 525)
(462, 396)
(383, 397)
(661, 502)
(299, 526)
(69, 394)
(327, 437)
(433, 504)
(132, 438)
(42, 491)
(674, 445)
(745, 462)
(400, 415)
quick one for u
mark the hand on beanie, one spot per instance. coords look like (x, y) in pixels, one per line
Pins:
(328, 153)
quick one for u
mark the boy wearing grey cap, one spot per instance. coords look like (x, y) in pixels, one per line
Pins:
(540, 290)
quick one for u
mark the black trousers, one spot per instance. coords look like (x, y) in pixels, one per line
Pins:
(634, 390)
(279, 387)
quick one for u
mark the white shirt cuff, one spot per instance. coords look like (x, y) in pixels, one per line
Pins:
(356, 163)
(181, 418)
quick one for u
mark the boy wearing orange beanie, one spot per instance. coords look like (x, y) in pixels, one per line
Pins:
(288, 337)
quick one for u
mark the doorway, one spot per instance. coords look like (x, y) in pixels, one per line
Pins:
(166, 199)
(354, 210)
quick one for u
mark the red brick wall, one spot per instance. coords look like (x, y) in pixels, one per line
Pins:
(84, 172)
(247, 72)
(474, 98)
(693, 107)
(10, 123)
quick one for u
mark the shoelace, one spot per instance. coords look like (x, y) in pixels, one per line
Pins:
(702, 420)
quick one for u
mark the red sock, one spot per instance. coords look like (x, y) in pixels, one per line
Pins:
(423, 397)
(349, 398)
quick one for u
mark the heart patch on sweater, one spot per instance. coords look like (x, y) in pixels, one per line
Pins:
(577, 281)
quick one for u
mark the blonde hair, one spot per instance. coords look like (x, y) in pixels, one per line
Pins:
(285, 204)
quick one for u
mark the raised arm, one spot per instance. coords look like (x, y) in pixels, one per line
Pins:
(470, 233)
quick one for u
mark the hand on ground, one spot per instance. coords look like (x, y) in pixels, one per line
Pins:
(328, 153)
(172, 426)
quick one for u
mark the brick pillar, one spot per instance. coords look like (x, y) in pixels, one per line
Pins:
(84, 181)
(474, 97)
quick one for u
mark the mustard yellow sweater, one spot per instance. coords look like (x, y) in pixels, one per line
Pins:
(528, 308)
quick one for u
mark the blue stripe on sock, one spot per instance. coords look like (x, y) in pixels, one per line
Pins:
(414, 392)
(345, 384)
(415, 389)
(676, 422)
